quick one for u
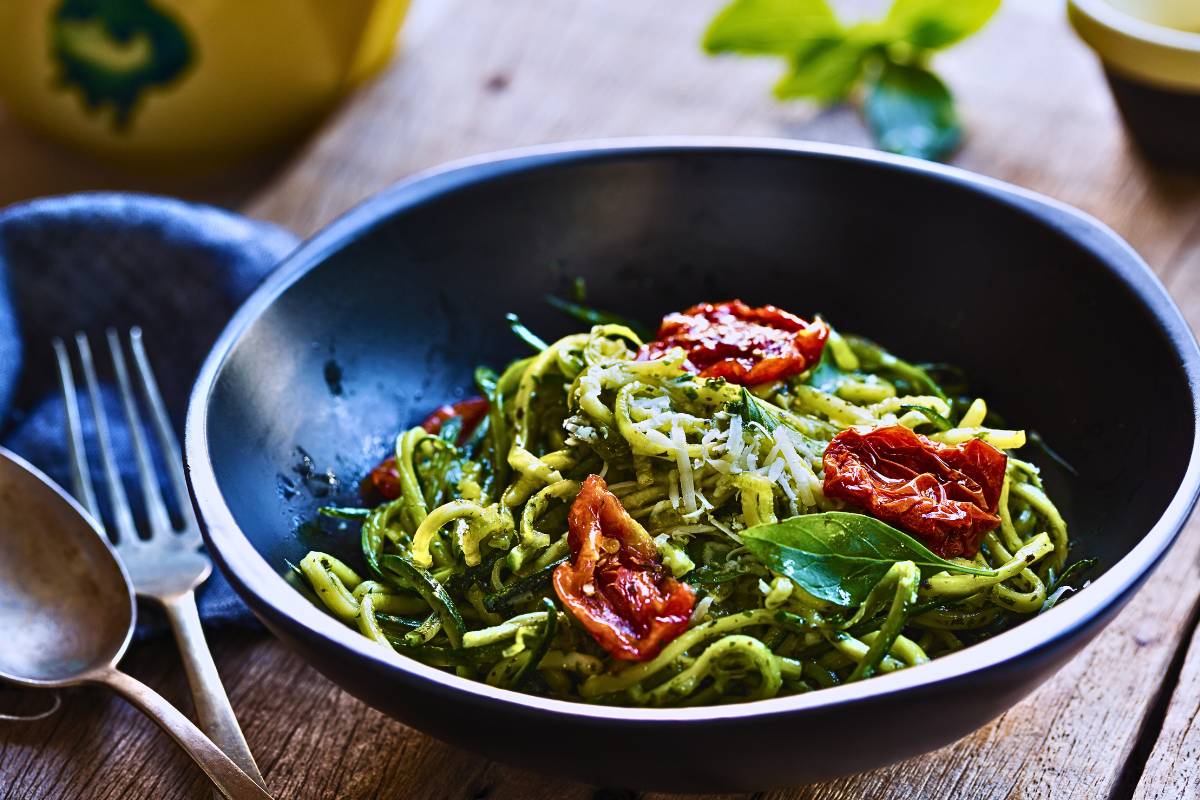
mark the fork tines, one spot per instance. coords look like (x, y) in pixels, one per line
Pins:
(122, 529)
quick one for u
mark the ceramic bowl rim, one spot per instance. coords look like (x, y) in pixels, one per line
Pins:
(1108, 15)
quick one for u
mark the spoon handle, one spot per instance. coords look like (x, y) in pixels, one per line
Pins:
(227, 776)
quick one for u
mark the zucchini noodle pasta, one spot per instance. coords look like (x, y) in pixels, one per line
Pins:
(474, 548)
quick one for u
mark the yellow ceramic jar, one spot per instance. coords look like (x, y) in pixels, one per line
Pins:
(175, 81)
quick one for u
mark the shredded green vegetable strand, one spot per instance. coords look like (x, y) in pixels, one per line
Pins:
(457, 570)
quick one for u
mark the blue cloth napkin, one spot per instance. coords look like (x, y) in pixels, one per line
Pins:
(87, 262)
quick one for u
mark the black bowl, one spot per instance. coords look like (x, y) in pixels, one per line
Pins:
(385, 313)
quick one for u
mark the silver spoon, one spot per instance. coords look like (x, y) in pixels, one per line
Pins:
(67, 612)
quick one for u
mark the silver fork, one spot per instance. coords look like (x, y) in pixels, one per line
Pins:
(165, 566)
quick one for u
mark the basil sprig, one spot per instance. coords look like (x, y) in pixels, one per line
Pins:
(908, 108)
(911, 111)
(839, 557)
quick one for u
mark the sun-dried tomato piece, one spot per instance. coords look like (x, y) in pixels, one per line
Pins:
(945, 495)
(384, 481)
(472, 410)
(615, 583)
(743, 345)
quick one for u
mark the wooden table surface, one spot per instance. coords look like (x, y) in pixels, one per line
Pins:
(1120, 720)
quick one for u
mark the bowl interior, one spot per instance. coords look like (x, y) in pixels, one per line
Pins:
(397, 313)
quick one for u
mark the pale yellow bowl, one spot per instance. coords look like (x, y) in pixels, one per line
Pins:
(175, 81)
(1150, 50)
(1153, 41)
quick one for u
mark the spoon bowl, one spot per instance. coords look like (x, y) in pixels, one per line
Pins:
(67, 611)
(66, 608)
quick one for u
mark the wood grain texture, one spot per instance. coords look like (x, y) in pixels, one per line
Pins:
(1172, 771)
(480, 75)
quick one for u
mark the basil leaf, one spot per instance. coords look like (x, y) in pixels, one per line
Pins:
(769, 27)
(911, 112)
(827, 68)
(934, 24)
(750, 410)
(839, 557)
(827, 376)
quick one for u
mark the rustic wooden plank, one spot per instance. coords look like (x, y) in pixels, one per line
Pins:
(491, 74)
(312, 740)
(98, 746)
(1173, 769)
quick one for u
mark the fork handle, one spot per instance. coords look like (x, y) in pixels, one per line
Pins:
(208, 693)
